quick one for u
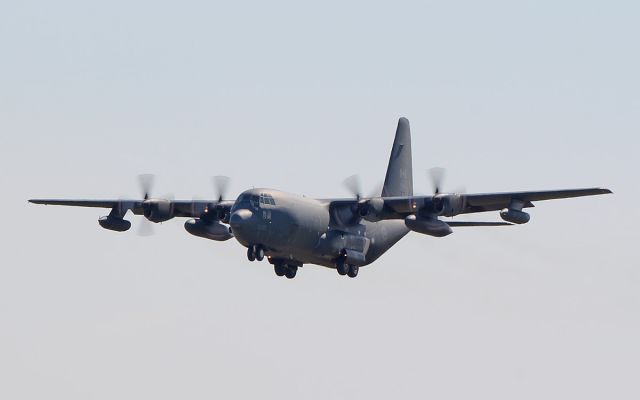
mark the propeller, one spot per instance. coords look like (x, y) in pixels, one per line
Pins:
(354, 186)
(150, 205)
(146, 182)
(369, 207)
(212, 211)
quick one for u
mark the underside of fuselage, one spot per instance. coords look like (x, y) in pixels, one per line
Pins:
(381, 235)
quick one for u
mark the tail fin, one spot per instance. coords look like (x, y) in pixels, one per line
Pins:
(399, 179)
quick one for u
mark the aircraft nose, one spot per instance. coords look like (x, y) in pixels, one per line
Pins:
(239, 218)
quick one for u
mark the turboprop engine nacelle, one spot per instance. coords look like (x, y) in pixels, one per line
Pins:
(208, 230)
(372, 209)
(447, 205)
(427, 226)
(157, 210)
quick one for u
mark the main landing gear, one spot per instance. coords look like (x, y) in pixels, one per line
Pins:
(255, 252)
(287, 270)
(346, 269)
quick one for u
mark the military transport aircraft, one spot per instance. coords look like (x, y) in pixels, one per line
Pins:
(345, 234)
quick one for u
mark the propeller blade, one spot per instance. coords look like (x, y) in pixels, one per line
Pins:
(377, 190)
(353, 185)
(146, 182)
(220, 185)
(436, 176)
(146, 228)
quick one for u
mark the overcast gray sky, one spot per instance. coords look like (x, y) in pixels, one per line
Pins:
(508, 95)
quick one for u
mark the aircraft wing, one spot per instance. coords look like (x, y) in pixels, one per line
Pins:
(349, 211)
(496, 201)
(180, 208)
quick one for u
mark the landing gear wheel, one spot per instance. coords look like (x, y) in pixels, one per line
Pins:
(259, 253)
(353, 271)
(250, 255)
(342, 267)
(290, 272)
(280, 269)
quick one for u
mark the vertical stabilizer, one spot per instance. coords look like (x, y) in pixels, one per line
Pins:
(399, 179)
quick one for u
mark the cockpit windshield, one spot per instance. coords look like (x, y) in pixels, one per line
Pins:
(256, 201)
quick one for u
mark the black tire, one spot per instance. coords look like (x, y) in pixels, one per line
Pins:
(353, 271)
(290, 272)
(259, 253)
(250, 255)
(342, 267)
(279, 269)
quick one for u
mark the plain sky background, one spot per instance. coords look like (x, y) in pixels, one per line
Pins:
(508, 95)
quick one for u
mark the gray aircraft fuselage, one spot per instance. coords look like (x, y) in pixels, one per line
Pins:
(297, 230)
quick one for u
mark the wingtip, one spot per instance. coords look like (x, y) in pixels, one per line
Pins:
(602, 190)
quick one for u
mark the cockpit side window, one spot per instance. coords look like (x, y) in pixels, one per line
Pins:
(255, 201)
